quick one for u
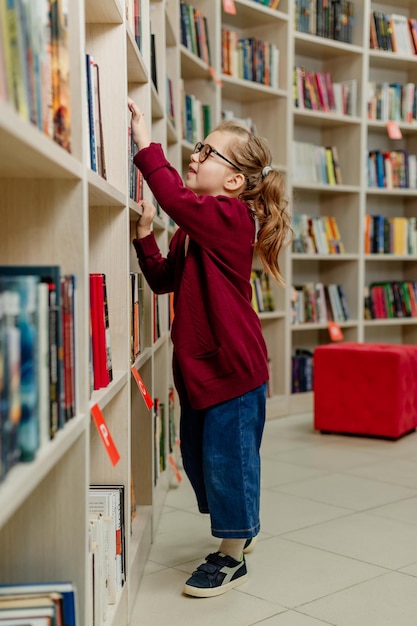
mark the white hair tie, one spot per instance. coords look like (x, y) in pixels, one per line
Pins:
(266, 170)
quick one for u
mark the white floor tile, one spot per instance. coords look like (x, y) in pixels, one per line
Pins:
(292, 618)
(160, 602)
(392, 471)
(275, 473)
(332, 456)
(292, 574)
(281, 512)
(350, 492)
(390, 600)
(404, 511)
(410, 569)
(182, 536)
(384, 542)
(182, 497)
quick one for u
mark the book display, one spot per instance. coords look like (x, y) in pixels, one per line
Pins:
(373, 204)
(338, 106)
(76, 412)
(390, 261)
(326, 182)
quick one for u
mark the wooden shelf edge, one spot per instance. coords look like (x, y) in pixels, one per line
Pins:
(24, 478)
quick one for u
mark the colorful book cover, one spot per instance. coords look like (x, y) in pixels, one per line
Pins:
(61, 105)
(28, 426)
(11, 407)
(13, 60)
(50, 274)
(100, 331)
(66, 589)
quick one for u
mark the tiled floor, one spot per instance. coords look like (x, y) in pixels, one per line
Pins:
(338, 542)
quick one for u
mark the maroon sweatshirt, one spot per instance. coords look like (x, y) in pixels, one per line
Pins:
(219, 350)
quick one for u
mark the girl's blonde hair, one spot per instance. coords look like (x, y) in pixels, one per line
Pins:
(264, 193)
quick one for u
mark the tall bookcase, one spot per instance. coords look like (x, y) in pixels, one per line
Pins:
(55, 210)
(354, 136)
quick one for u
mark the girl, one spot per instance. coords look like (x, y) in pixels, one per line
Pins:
(232, 203)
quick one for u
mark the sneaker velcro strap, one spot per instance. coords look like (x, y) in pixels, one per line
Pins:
(221, 559)
(209, 568)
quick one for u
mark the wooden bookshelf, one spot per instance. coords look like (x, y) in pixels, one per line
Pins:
(56, 210)
(355, 136)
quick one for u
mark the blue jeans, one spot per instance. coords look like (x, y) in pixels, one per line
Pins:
(220, 450)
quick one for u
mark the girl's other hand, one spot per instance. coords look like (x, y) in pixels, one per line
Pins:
(143, 225)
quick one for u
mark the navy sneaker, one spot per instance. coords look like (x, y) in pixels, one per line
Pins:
(249, 545)
(216, 576)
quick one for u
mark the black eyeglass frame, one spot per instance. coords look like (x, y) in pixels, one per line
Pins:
(200, 145)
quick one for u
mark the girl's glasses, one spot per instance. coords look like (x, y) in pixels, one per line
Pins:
(204, 150)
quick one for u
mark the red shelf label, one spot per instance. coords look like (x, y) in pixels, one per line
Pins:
(105, 435)
(229, 6)
(335, 331)
(145, 393)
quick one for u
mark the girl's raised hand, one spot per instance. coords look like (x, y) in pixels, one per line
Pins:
(140, 132)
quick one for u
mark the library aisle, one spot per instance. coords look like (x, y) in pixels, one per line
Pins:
(338, 542)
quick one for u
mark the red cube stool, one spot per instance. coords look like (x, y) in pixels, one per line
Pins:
(365, 389)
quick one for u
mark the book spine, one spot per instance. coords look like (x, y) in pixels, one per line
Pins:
(90, 104)
(60, 73)
(11, 407)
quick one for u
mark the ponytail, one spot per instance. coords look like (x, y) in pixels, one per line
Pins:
(264, 193)
(270, 206)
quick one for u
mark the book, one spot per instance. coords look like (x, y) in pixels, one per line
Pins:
(108, 500)
(159, 439)
(43, 363)
(68, 324)
(320, 297)
(134, 19)
(337, 239)
(96, 151)
(30, 601)
(99, 583)
(92, 149)
(50, 274)
(4, 88)
(262, 292)
(25, 46)
(119, 490)
(156, 326)
(11, 406)
(302, 371)
(41, 30)
(66, 589)
(154, 70)
(60, 73)
(27, 621)
(98, 123)
(100, 331)
(136, 314)
(45, 612)
(13, 58)
(26, 288)
(2, 381)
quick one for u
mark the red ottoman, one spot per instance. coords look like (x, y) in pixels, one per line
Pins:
(365, 389)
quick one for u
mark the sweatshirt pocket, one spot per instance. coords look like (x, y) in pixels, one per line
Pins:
(211, 365)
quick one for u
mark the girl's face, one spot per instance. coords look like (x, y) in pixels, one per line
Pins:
(210, 169)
